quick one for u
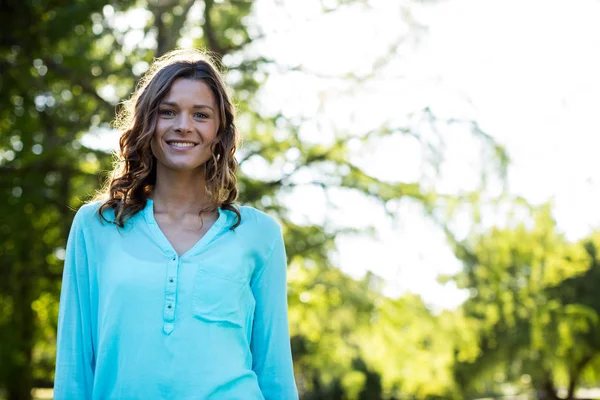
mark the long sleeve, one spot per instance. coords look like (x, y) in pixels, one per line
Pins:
(75, 359)
(270, 344)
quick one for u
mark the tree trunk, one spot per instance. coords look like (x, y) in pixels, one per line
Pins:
(169, 33)
(20, 378)
(574, 376)
(546, 390)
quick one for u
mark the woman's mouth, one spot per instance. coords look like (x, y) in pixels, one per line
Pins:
(181, 145)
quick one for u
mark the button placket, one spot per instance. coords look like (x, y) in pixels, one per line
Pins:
(170, 293)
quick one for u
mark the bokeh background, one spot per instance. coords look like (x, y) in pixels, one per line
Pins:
(433, 164)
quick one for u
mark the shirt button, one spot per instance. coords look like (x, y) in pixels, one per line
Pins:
(170, 279)
(169, 306)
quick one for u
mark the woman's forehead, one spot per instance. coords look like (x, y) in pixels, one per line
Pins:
(190, 91)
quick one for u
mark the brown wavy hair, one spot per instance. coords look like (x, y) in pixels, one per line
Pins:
(127, 189)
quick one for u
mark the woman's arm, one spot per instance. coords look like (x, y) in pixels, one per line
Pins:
(75, 358)
(270, 345)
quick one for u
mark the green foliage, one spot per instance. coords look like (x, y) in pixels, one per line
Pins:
(536, 316)
(65, 67)
(414, 349)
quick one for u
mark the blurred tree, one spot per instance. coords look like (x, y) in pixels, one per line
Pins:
(414, 350)
(64, 67)
(533, 294)
(47, 98)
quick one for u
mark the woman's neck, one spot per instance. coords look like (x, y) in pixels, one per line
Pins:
(179, 192)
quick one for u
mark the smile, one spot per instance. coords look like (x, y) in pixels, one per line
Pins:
(181, 144)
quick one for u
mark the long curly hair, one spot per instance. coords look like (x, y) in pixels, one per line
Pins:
(134, 175)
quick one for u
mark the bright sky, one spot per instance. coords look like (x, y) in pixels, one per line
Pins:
(526, 71)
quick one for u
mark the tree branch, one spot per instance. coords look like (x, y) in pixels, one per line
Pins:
(77, 79)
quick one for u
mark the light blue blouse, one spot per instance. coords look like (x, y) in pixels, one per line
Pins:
(137, 321)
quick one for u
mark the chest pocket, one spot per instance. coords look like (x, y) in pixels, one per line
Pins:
(223, 301)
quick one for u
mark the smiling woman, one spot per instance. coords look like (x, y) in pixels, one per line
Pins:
(185, 130)
(178, 100)
(169, 292)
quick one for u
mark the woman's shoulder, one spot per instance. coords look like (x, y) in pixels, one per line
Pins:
(88, 215)
(257, 219)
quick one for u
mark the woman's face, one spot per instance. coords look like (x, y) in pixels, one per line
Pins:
(187, 125)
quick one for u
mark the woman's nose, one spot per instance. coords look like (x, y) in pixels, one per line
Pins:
(183, 123)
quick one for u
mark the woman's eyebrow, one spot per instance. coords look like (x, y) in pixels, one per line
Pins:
(170, 103)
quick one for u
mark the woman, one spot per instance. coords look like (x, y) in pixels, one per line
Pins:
(170, 291)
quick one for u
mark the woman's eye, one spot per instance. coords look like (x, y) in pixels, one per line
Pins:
(168, 113)
(201, 115)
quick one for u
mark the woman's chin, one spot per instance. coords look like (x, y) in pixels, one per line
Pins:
(182, 168)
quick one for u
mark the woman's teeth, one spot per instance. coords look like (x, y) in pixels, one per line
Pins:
(182, 144)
